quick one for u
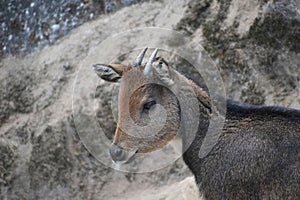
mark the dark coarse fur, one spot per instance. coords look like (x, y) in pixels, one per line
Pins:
(256, 157)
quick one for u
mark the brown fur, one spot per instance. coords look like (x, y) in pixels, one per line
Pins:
(137, 96)
(132, 78)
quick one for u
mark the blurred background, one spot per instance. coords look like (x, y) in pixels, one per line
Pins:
(43, 44)
(28, 25)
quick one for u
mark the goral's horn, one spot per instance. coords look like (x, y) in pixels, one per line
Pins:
(140, 57)
(149, 63)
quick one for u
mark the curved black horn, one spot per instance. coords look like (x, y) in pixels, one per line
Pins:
(149, 63)
(140, 57)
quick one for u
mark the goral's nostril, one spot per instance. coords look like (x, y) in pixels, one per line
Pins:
(116, 153)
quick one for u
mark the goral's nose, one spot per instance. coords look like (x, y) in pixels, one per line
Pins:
(117, 153)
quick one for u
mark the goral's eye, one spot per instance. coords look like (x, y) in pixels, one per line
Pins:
(106, 70)
(148, 105)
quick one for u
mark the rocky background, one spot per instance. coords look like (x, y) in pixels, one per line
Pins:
(30, 25)
(255, 44)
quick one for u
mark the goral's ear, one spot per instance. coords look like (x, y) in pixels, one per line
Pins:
(164, 72)
(162, 69)
(111, 73)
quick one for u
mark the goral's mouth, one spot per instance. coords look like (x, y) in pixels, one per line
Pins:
(131, 156)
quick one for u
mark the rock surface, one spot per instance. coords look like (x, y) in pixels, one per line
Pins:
(42, 156)
(31, 25)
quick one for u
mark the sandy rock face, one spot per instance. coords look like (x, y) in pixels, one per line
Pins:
(255, 46)
(41, 154)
